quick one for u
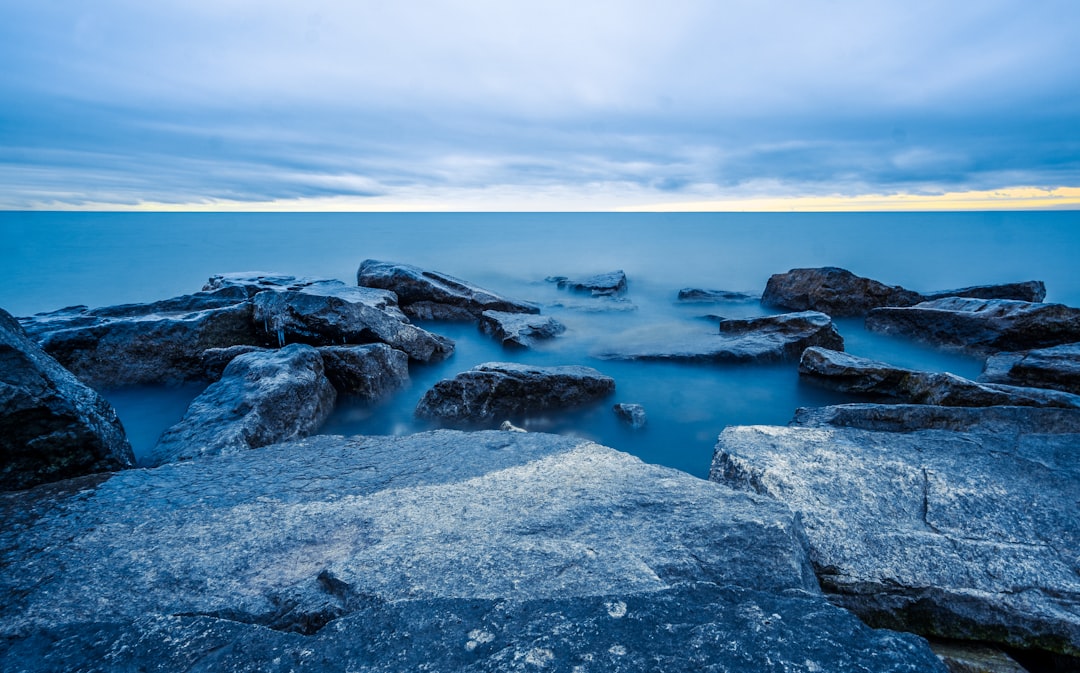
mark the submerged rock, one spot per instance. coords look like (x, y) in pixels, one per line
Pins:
(519, 329)
(962, 535)
(430, 295)
(263, 397)
(371, 372)
(492, 551)
(774, 338)
(1057, 368)
(697, 295)
(982, 326)
(499, 389)
(601, 285)
(51, 425)
(631, 414)
(853, 374)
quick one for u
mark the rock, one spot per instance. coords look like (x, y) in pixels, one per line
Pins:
(851, 374)
(254, 282)
(160, 342)
(497, 389)
(1057, 368)
(600, 285)
(450, 551)
(908, 417)
(519, 329)
(510, 427)
(982, 326)
(963, 658)
(371, 372)
(697, 295)
(774, 338)
(262, 398)
(51, 425)
(961, 535)
(631, 414)
(338, 319)
(430, 295)
(215, 360)
(841, 293)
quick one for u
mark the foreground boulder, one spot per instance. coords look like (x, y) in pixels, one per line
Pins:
(852, 374)
(841, 293)
(1057, 368)
(775, 338)
(982, 326)
(263, 397)
(493, 551)
(498, 389)
(430, 295)
(965, 535)
(51, 425)
(601, 285)
(521, 330)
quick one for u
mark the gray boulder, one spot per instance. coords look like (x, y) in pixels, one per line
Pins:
(982, 326)
(500, 389)
(430, 295)
(700, 296)
(631, 414)
(853, 374)
(371, 372)
(1057, 368)
(841, 293)
(964, 535)
(263, 397)
(492, 551)
(774, 338)
(51, 425)
(601, 285)
(520, 330)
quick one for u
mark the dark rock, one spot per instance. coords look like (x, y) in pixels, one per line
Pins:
(1003, 421)
(519, 329)
(371, 372)
(449, 551)
(853, 374)
(697, 295)
(215, 360)
(430, 295)
(341, 317)
(262, 398)
(632, 414)
(841, 293)
(1057, 368)
(51, 425)
(496, 389)
(961, 535)
(964, 658)
(982, 326)
(774, 338)
(600, 285)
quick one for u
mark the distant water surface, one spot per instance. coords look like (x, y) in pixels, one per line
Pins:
(61, 259)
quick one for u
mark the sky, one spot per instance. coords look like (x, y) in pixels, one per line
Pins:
(553, 105)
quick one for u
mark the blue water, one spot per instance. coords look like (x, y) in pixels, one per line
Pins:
(60, 259)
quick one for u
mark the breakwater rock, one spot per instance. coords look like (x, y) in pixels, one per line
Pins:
(494, 551)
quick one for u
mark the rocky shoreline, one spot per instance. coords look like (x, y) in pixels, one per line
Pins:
(941, 508)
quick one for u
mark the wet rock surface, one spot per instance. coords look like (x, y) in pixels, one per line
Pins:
(431, 295)
(853, 374)
(966, 535)
(496, 389)
(370, 372)
(52, 426)
(982, 326)
(263, 397)
(520, 330)
(775, 338)
(457, 551)
(1057, 368)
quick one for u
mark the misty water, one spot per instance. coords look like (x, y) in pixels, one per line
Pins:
(62, 259)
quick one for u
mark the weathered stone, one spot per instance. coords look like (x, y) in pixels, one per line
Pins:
(697, 295)
(853, 374)
(963, 535)
(774, 338)
(337, 318)
(600, 285)
(215, 360)
(499, 389)
(963, 658)
(430, 295)
(1057, 368)
(51, 425)
(631, 414)
(371, 372)
(1005, 421)
(254, 282)
(262, 398)
(981, 326)
(521, 330)
(449, 551)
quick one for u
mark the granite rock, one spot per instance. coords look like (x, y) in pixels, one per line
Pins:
(521, 330)
(1057, 368)
(371, 372)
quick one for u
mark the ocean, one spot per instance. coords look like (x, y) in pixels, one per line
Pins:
(53, 260)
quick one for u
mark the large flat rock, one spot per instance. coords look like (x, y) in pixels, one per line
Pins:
(960, 534)
(439, 551)
(1057, 368)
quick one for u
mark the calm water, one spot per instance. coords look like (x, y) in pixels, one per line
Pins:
(60, 259)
